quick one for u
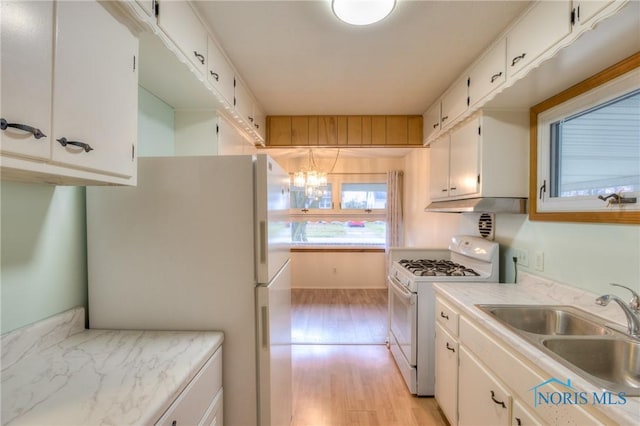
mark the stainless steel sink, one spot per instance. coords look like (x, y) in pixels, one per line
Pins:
(614, 361)
(608, 358)
(548, 320)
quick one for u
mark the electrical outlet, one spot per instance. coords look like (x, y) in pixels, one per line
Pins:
(523, 256)
(539, 261)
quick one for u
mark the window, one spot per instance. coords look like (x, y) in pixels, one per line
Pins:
(586, 142)
(349, 211)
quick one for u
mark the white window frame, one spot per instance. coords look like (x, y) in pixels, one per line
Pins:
(594, 97)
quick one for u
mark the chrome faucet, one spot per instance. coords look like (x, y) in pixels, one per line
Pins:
(631, 309)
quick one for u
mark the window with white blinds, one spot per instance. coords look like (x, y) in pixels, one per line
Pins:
(589, 149)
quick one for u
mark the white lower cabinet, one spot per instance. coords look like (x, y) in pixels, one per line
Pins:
(446, 387)
(483, 399)
(483, 382)
(200, 403)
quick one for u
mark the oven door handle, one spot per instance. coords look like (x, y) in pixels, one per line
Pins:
(401, 291)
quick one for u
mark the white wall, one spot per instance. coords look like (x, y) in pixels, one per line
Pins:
(337, 270)
(156, 137)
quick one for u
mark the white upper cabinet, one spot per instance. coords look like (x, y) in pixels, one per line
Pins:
(243, 103)
(95, 98)
(75, 122)
(178, 20)
(219, 73)
(489, 73)
(26, 78)
(464, 173)
(431, 122)
(454, 102)
(544, 25)
(583, 11)
(259, 120)
(439, 168)
(487, 156)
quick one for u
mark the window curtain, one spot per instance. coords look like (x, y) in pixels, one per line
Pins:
(395, 225)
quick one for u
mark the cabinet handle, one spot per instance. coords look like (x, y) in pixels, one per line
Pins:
(442, 313)
(453, 188)
(435, 125)
(174, 423)
(493, 398)
(518, 421)
(199, 56)
(444, 190)
(257, 125)
(517, 59)
(215, 75)
(445, 118)
(37, 133)
(250, 119)
(496, 76)
(85, 146)
(450, 348)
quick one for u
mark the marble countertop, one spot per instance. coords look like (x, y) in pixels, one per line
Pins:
(56, 372)
(534, 290)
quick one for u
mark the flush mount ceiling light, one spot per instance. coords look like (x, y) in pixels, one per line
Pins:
(362, 12)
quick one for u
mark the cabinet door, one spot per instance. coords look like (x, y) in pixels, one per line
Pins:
(431, 121)
(464, 159)
(587, 9)
(454, 102)
(220, 74)
(180, 23)
(489, 73)
(27, 40)
(545, 24)
(439, 174)
(482, 400)
(446, 388)
(243, 103)
(95, 90)
(259, 121)
(522, 416)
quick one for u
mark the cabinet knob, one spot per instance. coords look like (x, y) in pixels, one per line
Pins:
(85, 146)
(517, 59)
(199, 56)
(215, 75)
(37, 133)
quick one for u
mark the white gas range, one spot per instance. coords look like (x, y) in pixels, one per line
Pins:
(412, 272)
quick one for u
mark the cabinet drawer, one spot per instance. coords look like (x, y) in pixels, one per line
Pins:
(447, 317)
(191, 406)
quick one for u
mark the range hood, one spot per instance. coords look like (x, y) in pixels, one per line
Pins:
(480, 205)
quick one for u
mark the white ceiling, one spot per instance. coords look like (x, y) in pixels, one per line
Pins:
(297, 58)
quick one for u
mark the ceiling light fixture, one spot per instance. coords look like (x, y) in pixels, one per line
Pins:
(362, 12)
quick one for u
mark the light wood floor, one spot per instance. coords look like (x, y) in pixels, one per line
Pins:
(339, 316)
(349, 384)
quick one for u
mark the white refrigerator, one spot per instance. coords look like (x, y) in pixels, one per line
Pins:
(202, 243)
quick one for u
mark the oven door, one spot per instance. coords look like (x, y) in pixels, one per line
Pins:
(403, 312)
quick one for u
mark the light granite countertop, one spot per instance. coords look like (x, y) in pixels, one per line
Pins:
(56, 372)
(533, 290)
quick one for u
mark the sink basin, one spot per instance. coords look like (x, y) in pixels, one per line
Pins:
(616, 361)
(547, 320)
(579, 340)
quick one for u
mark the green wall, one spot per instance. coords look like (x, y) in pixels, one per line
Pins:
(43, 261)
(156, 123)
(587, 256)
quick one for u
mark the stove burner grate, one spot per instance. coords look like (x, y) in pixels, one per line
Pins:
(439, 267)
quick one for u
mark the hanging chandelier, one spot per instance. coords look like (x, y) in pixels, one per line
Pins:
(312, 179)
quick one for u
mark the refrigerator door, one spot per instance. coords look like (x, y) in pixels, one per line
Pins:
(273, 227)
(274, 348)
